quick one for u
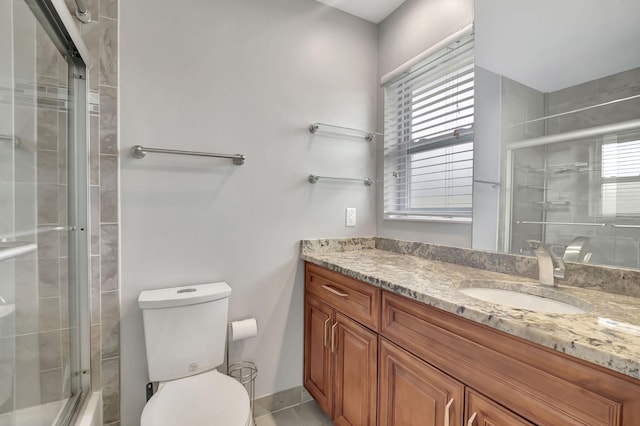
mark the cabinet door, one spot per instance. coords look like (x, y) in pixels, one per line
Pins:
(481, 411)
(318, 318)
(355, 383)
(414, 393)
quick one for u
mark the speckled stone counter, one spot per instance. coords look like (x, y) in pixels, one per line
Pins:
(608, 334)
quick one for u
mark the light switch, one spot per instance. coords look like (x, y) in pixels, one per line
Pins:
(350, 217)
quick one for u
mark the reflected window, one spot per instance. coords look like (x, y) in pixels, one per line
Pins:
(621, 178)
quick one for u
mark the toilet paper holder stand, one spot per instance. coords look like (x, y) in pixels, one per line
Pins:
(244, 372)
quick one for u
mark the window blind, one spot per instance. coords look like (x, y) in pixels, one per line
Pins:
(621, 178)
(428, 153)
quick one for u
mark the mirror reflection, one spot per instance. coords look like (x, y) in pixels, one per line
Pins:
(566, 82)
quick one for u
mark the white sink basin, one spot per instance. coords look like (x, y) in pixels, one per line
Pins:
(519, 296)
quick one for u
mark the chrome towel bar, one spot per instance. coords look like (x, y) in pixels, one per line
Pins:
(139, 152)
(315, 178)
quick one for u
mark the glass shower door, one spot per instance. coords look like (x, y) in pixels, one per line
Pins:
(40, 373)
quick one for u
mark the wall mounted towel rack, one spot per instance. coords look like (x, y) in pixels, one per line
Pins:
(316, 178)
(139, 152)
(368, 135)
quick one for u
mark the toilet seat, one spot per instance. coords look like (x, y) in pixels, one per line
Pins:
(205, 399)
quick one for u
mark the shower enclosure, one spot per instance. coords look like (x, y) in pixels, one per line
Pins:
(573, 169)
(44, 335)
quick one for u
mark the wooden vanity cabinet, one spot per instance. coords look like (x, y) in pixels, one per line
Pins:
(341, 346)
(413, 393)
(536, 384)
(436, 368)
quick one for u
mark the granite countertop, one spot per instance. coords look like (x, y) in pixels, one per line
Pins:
(608, 334)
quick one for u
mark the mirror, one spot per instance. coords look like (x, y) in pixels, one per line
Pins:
(558, 126)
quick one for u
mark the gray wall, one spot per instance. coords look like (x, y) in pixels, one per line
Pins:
(246, 76)
(412, 28)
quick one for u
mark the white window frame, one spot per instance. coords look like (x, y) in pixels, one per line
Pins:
(401, 142)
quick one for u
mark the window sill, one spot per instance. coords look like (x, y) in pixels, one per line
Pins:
(432, 219)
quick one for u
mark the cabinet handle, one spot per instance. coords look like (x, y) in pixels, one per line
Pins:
(334, 291)
(326, 332)
(447, 410)
(471, 419)
(334, 344)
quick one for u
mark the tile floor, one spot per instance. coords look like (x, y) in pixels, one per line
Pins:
(307, 414)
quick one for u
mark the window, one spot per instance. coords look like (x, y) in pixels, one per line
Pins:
(621, 178)
(428, 156)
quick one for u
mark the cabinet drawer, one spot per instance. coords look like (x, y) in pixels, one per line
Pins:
(539, 385)
(484, 411)
(359, 300)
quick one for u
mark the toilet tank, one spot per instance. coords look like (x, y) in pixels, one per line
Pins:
(184, 329)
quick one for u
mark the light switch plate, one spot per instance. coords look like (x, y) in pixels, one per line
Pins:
(350, 216)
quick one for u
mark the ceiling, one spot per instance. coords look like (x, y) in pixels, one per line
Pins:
(371, 10)
(549, 44)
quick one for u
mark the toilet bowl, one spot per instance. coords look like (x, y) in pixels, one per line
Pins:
(209, 398)
(185, 333)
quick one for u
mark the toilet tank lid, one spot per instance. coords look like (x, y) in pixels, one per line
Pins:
(183, 295)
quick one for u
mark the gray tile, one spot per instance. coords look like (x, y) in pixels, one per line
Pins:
(6, 153)
(96, 364)
(94, 193)
(47, 204)
(6, 208)
(572, 93)
(27, 371)
(94, 150)
(62, 147)
(26, 296)
(110, 324)
(95, 290)
(46, 54)
(65, 347)
(64, 294)
(51, 385)
(47, 166)
(7, 368)
(278, 401)
(109, 8)
(108, 120)
(63, 210)
(47, 129)
(48, 244)
(108, 52)
(623, 80)
(48, 278)
(50, 352)
(49, 314)
(108, 189)
(307, 414)
(310, 414)
(25, 156)
(111, 390)
(109, 257)
(306, 396)
(90, 34)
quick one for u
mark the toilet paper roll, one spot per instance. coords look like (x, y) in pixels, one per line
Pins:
(244, 329)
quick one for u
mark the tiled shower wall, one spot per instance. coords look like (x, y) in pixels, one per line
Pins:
(101, 37)
(579, 189)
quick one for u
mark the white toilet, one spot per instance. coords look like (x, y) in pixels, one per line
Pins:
(185, 334)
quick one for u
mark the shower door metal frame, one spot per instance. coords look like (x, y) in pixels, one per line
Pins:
(56, 20)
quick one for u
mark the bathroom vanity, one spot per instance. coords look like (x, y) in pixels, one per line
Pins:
(391, 339)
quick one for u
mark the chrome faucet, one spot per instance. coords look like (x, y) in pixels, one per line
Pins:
(549, 266)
